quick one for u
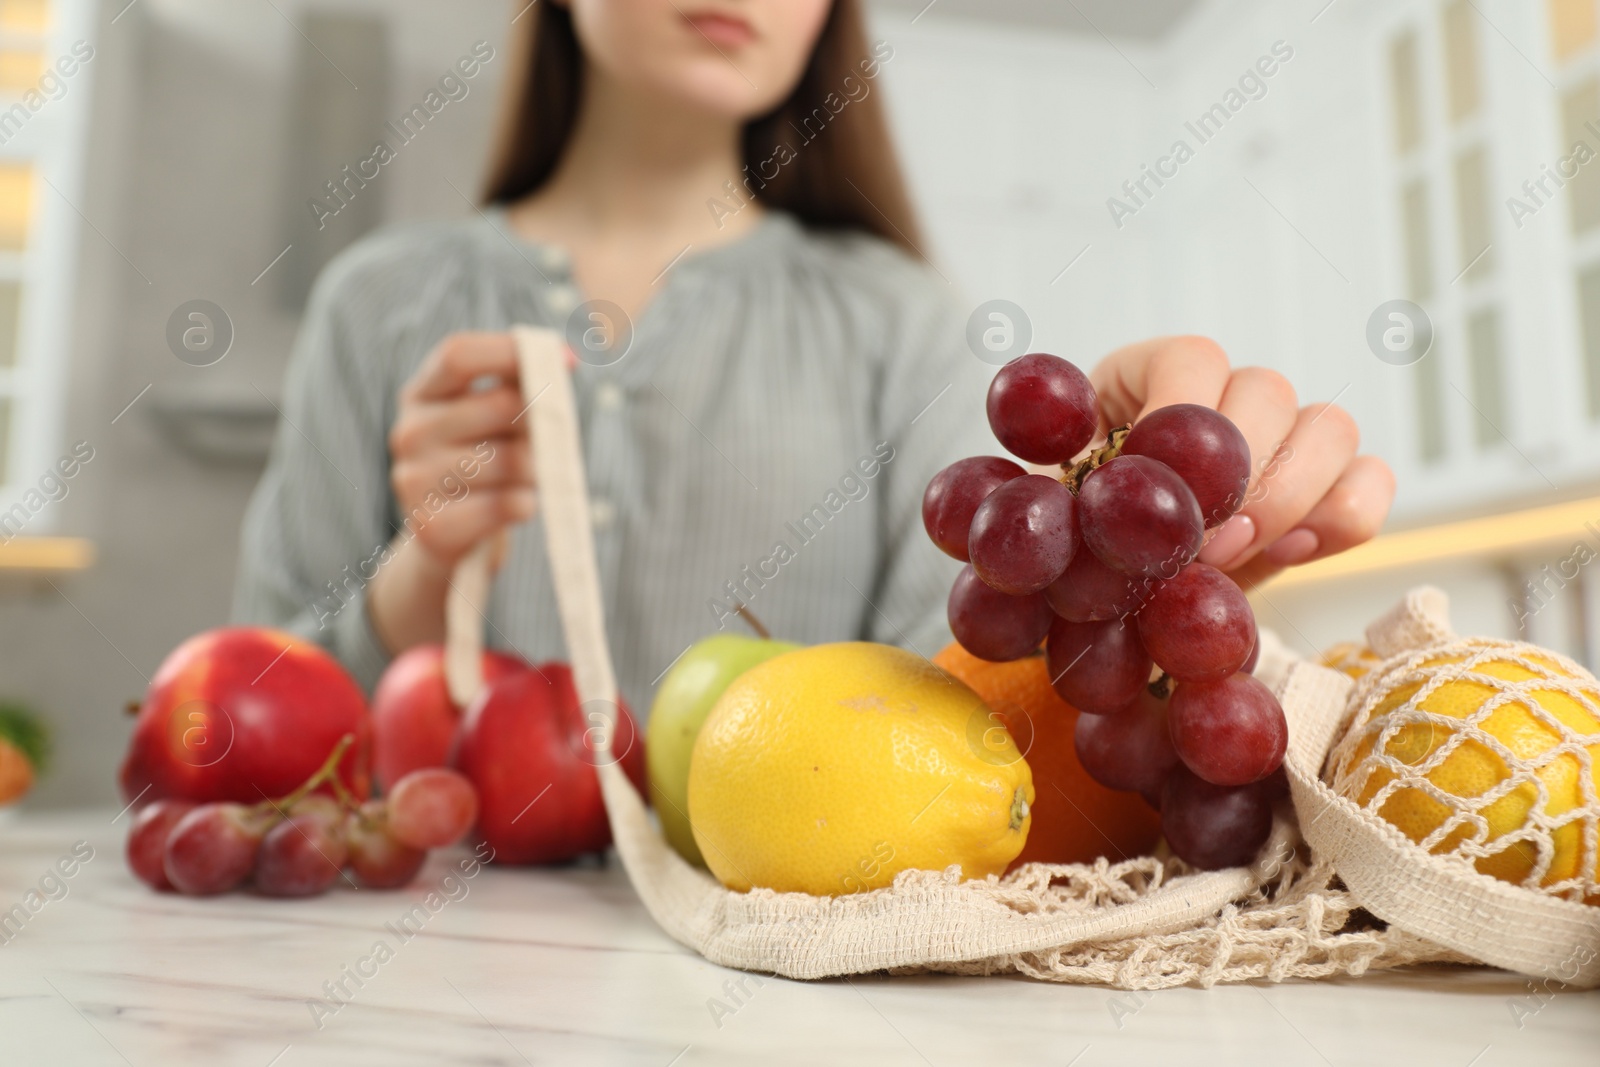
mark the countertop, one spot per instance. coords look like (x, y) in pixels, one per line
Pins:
(563, 966)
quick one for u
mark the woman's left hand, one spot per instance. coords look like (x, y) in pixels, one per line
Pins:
(1310, 494)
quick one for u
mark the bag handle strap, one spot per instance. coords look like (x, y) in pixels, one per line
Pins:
(463, 624)
(556, 443)
(1420, 620)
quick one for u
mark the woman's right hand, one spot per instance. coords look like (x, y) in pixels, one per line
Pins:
(461, 470)
(459, 437)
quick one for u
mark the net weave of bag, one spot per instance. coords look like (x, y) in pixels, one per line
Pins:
(1533, 735)
(1431, 886)
(1145, 923)
(1299, 923)
(1297, 920)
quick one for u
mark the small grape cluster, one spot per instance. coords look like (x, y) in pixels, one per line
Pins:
(1153, 646)
(298, 845)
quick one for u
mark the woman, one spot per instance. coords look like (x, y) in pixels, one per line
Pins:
(794, 372)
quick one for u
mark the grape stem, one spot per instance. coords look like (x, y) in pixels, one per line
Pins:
(352, 805)
(343, 795)
(323, 773)
(1074, 473)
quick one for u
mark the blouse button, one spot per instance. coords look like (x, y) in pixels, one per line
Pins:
(563, 298)
(602, 512)
(608, 397)
(553, 258)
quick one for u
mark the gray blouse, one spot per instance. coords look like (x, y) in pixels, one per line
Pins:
(765, 439)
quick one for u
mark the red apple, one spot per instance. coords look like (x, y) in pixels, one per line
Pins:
(242, 713)
(414, 722)
(527, 747)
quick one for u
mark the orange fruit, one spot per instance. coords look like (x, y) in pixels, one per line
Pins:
(1075, 818)
(16, 772)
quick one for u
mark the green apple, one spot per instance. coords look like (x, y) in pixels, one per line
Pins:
(683, 701)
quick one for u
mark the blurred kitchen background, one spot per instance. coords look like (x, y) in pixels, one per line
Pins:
(1425, 150)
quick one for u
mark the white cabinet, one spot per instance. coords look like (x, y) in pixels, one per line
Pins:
(47, 57)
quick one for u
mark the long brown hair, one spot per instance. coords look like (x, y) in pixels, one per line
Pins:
(835, 167)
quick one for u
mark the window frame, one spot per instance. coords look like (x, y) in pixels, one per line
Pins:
(54, 142)
(1457, 296)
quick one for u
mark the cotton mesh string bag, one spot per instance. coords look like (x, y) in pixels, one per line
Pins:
(1461, 799)
(1145, 923)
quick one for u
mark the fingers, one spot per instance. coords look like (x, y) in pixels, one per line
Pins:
(451, 528)
(503, 462)
(1349, 514)
(1310, 495)
(1185, 370)
(1263, 405)
(1312, 460)
(458, 361)
(453, 500)
(1153, 374)
(461, 468)
(477, 416)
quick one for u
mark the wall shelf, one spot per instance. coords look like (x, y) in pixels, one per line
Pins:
(46, 555)
(215, 423)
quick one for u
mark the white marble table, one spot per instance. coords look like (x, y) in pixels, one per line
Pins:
(564, 967)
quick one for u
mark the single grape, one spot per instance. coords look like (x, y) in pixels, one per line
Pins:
(992, 625)
(299, 857)
(1042, 408)
(953, 495)
(1139, 517)
(321, 808)
(1198, 626)
(1214, 826)
(431, 807)
(213, 848)
(1128, 749)
(1089, 591)
(147, 840)
(1204, 447)
(378, 860)
(1097, 667)
(1023, 535)
(1230, 732)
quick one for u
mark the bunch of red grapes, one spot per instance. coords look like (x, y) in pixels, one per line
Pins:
(299, 845)
(1152, 646)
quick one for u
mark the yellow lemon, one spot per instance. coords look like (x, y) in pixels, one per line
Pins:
(830, 769)
(1475, 766)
